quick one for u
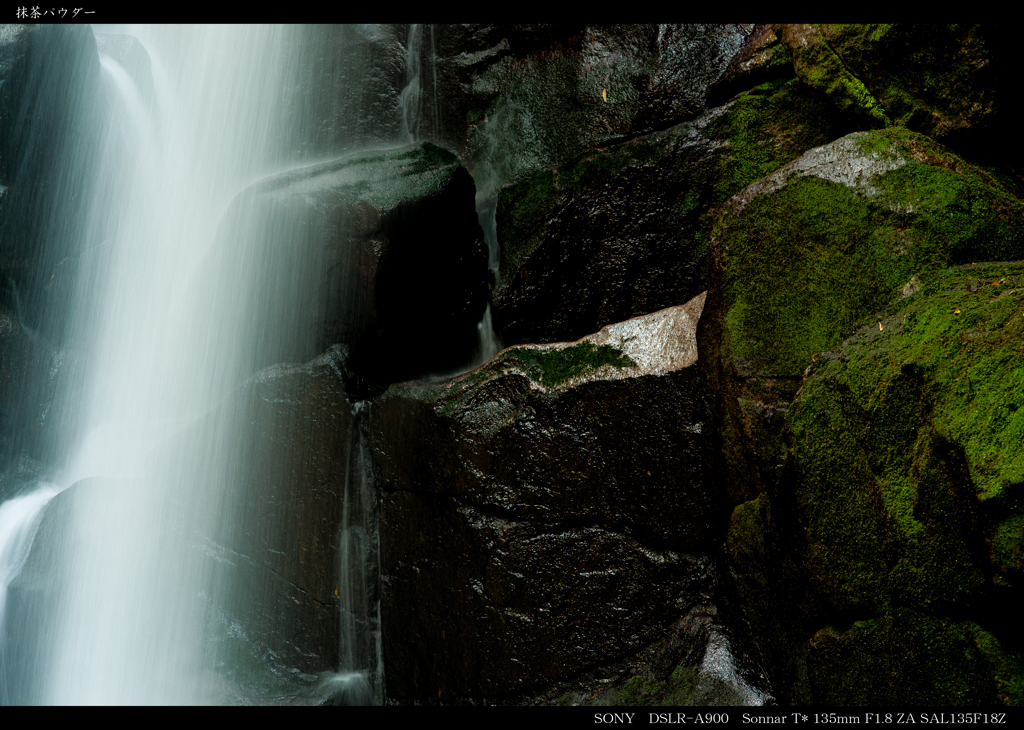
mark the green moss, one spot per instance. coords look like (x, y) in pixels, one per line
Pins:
(767, 127)
(898, 434)
(821, 68)
(936, 79)
(550, 367)
(762, 130)
(746, 536)
(799, 280)
(906, 658)
(554, 367)
(808, 263)
(1008, 545)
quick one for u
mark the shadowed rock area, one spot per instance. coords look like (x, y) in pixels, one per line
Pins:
(390, 247)
(555, 492)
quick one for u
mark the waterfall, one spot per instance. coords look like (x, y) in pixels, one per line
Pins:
(127, 614)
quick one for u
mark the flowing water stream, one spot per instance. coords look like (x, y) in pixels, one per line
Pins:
(195, 115)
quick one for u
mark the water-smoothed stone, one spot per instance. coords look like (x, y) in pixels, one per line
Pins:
(277, 535)
(623, 231)
(554, 492)
(380, 250)
(346, 92)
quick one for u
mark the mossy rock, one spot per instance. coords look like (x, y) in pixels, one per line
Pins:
(811, 250)
(907, 658)
(575, 253)
(935, 79)
(819, 66)
(906, 445)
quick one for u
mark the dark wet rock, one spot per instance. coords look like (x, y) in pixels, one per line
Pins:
(379, 250)
(762, 58)
(553, 492)
(49, 84)
(276, 539)
(517, 99)
(696, 664)
(623, 231)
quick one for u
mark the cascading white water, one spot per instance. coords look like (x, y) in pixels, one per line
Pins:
(129, 625)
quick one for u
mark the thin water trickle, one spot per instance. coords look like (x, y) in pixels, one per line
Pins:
(412, 94)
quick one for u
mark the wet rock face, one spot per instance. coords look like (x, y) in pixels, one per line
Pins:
(346, 94)
(517, 99)
(554, 490)
(28, 365)
(391, 244)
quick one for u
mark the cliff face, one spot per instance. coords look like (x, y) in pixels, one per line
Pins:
(757, 433)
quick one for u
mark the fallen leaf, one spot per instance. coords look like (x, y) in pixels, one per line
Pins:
(604, 95)
(957, 312)
(879, 326)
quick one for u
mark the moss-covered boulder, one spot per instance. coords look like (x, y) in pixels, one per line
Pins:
(804, 255)
(909, 658)
(927, 403)
(623, 231)
(552, 493)
(380, 250)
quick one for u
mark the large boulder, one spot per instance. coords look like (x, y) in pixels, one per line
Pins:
(380, 250)
(556, 489)
(623, 231)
